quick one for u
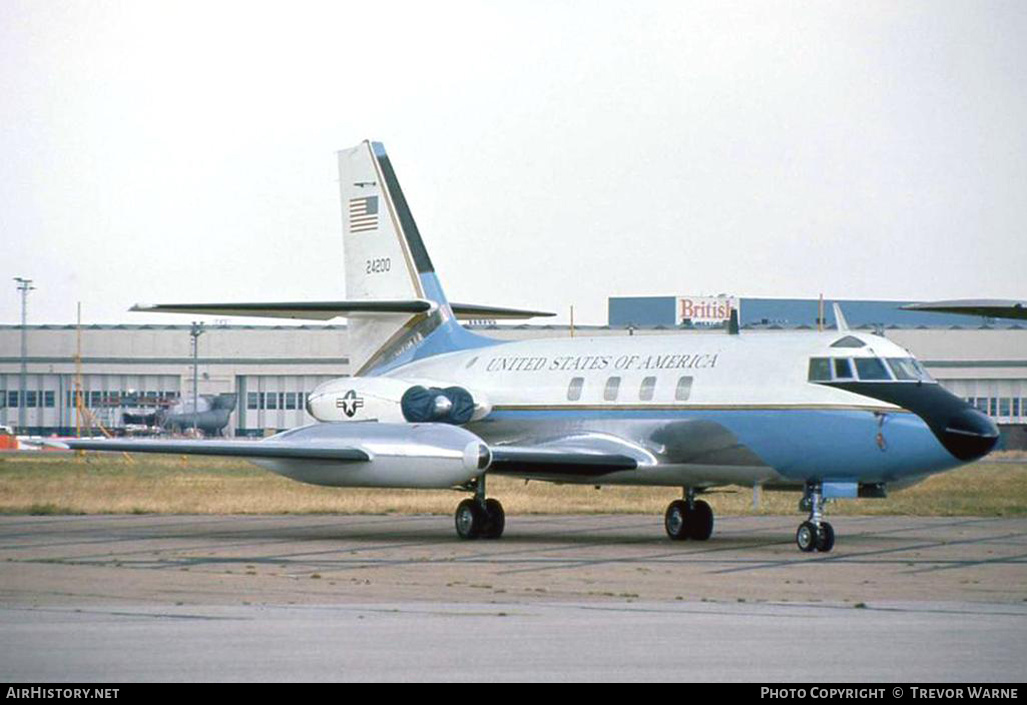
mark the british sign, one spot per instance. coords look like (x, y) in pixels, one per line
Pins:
(705, 310)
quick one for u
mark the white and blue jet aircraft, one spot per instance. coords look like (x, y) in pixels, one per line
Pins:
(432, 405)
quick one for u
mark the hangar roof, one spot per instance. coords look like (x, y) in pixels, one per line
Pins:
(655, 311)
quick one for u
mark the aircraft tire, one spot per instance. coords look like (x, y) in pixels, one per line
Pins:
(677, 520)
(495, 519)
(825, 537)
(806, 537)
(470, 519)
(700, 523)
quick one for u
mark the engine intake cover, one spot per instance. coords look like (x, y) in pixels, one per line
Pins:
(452, 405)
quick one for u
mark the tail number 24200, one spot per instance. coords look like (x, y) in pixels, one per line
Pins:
(378, 266)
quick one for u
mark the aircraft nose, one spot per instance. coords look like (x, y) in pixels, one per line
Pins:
(969, 434)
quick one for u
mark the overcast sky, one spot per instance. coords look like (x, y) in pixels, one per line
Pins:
(553, 153)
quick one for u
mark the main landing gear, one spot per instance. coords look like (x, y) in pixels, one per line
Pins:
(480, 517)
(814, 534)
(688, 518)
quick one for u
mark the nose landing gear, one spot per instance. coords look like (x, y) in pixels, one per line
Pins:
(815, 534)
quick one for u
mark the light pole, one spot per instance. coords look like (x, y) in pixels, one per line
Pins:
(195, 333)
(24, 286)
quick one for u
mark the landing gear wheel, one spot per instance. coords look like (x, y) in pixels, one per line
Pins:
(677, 520)
(700, 524)
(688, 522)
(825, 537)
(806, 537)
(495, 520)
(470, 519)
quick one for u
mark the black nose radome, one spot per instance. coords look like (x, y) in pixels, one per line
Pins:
(970, 434)
(963, 430)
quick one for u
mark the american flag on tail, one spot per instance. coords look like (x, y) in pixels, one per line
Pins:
(363, 214)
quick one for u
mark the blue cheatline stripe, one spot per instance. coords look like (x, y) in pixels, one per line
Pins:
(836, 444)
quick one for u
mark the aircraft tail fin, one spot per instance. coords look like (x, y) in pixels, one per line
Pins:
(396, 308)
(839, 318)
(385, 259)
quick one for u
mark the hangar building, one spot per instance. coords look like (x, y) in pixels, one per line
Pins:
(132, 369)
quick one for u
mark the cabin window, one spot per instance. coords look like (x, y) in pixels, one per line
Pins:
(612, 389)
(843, 368)
(870, 368)
(574, 390)
(684, 389)
(848, 342)
(820, 369)
(645, 392)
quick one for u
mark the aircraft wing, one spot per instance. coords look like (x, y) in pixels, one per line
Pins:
(507, 459)
(233, 449)
(407, 449)
(990, 308)
(550, 461)
(575, 455)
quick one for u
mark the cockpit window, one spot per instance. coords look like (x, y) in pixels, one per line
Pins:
(924, 374)
(871, 368)
(908, 369)
(820, 369)
(842, 368)
(902, 368)
(848, 341)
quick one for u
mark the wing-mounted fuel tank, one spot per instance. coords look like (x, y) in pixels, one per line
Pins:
(424, 456)
(391, 400)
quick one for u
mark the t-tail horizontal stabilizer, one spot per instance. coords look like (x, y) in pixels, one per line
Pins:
(309, 310)
(326, 310)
